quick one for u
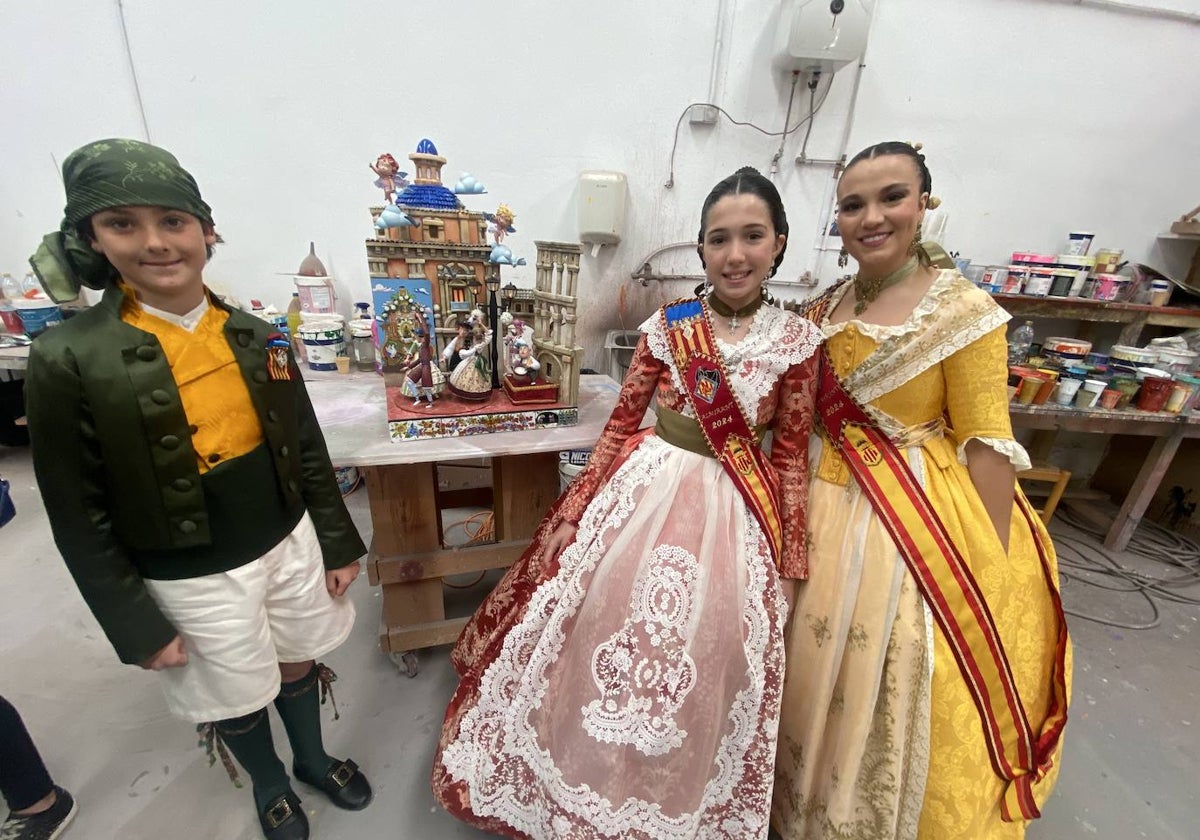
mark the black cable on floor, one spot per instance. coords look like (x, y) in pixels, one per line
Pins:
(1083, 559)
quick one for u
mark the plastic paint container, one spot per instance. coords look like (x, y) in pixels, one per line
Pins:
(1180, 394)
(1107, 260)
(1039, 282)
(1029, 258)
(1192, 382)
(37, 315)
(1135, 356)
(1110, 286)
(1177, 361)
(1014, 280)
(1078, 242)
(1160, 292)
(1155, 392)
(324, 340)
(994, 279)
(316, 294)
(1064, 279)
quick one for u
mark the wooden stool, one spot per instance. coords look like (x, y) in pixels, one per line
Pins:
(1053, 475)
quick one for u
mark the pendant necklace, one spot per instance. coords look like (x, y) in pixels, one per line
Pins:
(725, 310)
(866, 290)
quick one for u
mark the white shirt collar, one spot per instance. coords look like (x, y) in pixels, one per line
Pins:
(188, 320)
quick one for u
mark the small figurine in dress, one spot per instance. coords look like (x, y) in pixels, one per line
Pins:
(390, 177)
(471, 378)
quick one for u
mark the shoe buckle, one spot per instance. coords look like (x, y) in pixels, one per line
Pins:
(279, 813)
(342, 775)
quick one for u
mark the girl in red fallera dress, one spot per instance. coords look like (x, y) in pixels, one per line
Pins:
(623, 680)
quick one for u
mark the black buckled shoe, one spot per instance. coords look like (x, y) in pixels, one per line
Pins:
(344, 784)
(284, 819)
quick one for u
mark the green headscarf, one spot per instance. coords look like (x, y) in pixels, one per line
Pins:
(100, 176)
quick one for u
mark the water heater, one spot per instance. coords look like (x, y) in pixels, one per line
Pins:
(601, 208)
(822, 35)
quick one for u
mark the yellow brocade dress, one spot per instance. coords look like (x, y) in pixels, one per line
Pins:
(879, 737)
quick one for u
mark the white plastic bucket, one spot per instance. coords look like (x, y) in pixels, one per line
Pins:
(570, 464)
(324, 340)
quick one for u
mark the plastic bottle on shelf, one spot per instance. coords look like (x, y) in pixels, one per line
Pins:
(1019, 343)
(11, 287)
(30, 285)
(293, 315)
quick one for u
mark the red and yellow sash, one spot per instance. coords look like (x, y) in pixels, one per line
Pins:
(948, 587)
(729, 433)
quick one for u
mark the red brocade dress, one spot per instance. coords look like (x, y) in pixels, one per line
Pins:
(631, 687)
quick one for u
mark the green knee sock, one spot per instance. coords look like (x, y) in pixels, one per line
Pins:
(299, 707)
(249, 739)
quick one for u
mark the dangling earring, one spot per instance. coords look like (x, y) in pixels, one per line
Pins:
(767, 297)
(706, 290)
(916, 242)
(843, 257)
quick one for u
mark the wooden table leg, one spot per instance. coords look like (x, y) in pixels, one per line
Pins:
(1143, 490)
(523, 488)
(404, 517)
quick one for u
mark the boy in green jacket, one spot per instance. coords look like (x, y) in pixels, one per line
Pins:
(185, 477)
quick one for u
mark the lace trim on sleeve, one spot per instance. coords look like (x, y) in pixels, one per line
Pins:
(1009, 448)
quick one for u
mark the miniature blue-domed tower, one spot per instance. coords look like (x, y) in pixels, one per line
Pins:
(446, 246)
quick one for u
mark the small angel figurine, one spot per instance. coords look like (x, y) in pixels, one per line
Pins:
(500, 222)
(390, 177)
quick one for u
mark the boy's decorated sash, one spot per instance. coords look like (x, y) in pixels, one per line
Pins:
(1018, 755)
(729, 433)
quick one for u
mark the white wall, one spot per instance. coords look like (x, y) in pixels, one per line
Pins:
(1037, 116)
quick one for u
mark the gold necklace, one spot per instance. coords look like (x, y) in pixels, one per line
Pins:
(866, 289)
(722, 308)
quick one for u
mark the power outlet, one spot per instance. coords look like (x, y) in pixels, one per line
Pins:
(702, 115)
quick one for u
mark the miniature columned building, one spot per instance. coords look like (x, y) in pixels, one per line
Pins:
(556, 297)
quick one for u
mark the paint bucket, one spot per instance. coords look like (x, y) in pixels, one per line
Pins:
(1110, 286)
(1064, 279)
(1039, 282)
(1193, 383)
(324, 340)
(1082, 266)
(1176, 361)
(1109, 398)
(37, 315)
(1160, 292)
(1155, 392)
(1078, 242)
(1014, 281)
(1108, 259)
(994, 279)
(316, 294)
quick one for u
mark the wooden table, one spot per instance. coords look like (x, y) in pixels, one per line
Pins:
(406, 557)
(1167, 429)
(14, 358)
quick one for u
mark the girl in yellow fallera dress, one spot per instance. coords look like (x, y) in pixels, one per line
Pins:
(889, 729)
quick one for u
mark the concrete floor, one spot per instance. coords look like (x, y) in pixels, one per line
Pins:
(1130, 770)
